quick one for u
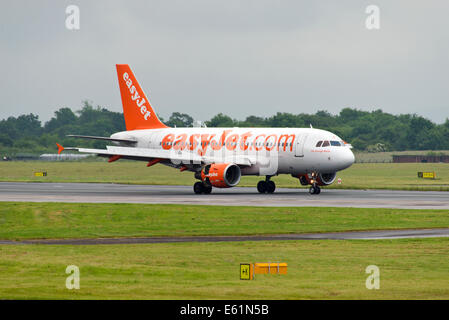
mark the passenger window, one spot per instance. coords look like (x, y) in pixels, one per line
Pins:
(335, 144)
(325, 144)
(319, 144)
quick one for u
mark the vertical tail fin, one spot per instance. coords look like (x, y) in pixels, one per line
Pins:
(136, 107)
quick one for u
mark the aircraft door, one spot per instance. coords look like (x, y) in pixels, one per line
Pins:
(299, 145)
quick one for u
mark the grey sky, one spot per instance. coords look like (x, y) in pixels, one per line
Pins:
(237, 57)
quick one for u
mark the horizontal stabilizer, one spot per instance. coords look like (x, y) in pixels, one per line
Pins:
(61, 148)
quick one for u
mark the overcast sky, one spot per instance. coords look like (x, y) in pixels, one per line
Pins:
(237, 57)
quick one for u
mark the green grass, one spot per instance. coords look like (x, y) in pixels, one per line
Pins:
(395, 176)
(322, 269)
(21, 220)
(358, 176)
(409, 269)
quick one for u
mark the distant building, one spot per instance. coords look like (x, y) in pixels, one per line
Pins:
(62, 156)
(420, 158)
(25, 156)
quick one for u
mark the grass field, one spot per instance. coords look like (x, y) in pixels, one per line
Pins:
(324, 269)
(409, 269)
(358, 176)
(79, 220)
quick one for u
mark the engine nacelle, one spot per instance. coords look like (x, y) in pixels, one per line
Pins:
(221, 175)
(323, 179)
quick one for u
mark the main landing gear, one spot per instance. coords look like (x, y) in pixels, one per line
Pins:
(200, 188)
(266, 186)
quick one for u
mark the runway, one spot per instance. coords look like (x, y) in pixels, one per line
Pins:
(353, 235)
(238, 196)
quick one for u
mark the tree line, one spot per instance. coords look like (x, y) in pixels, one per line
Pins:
(366, 131)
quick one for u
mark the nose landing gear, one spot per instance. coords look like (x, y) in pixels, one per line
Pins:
(315, 190)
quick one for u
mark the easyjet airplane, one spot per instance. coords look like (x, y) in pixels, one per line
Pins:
(218, 157)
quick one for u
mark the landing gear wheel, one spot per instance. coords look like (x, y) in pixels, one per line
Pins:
(262, 186)
(271, 186)
(207, 190)
(314, 190)
(198, 187)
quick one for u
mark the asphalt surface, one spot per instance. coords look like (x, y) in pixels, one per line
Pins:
(353, 235)
(238, 196)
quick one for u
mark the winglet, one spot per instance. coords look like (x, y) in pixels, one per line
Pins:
(60, 148)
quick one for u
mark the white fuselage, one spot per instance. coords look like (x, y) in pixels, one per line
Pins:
(273, 150)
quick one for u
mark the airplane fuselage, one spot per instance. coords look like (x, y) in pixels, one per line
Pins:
(276, 150)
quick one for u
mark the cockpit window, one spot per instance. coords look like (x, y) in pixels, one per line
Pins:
(335, 143)
(319, 144)
(325, 144)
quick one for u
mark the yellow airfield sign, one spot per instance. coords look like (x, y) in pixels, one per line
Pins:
(245, 271)
(248, 270)
(427, 175)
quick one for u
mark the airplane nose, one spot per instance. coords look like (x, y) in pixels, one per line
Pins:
(348, 158)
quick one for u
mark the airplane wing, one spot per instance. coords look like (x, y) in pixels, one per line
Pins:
(102, 138)
(177, 157)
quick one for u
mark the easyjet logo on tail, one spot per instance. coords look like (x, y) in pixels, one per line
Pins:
(135, 96)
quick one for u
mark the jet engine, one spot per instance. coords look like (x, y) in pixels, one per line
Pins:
(221, 175)
(325, 179)
(322, 179)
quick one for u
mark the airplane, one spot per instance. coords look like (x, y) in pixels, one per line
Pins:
(219, 157)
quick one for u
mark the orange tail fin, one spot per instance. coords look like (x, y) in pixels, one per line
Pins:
(60, 148)
(136, 107)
